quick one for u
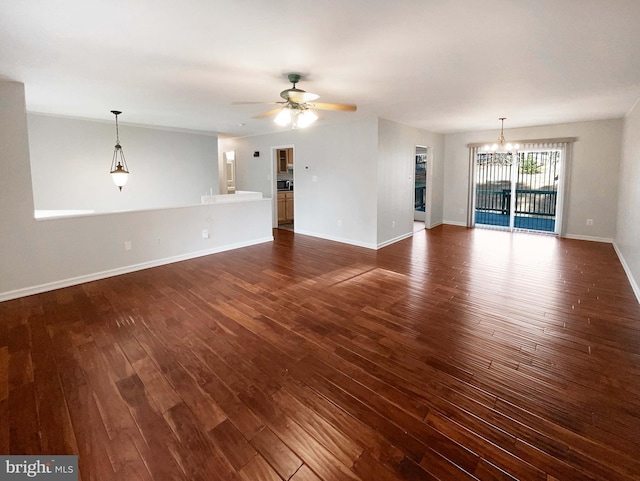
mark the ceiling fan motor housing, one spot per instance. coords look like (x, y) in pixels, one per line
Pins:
(294, 78)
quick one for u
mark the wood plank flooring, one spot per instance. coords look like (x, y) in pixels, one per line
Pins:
(457, 354)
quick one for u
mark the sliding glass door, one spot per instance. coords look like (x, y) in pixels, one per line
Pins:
(494, 183)
(518, 190)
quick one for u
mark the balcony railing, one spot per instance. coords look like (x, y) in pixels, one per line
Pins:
(528, 202)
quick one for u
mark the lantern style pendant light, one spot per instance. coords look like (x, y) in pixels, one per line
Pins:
(119, 169)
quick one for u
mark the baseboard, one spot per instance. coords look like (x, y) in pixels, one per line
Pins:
(453, 222)
(336, 239)
(50, 286)
(627, 270)
(608, 240)
(394, 240)
(435, 224)
(355, 243)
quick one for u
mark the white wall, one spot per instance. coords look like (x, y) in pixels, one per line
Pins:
(40, 255)
(396, 170)
(359, 177)
(627, 237)
(436, 170)
(70, 160)
(594, 173)
(340, 157)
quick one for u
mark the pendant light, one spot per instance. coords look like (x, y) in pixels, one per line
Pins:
(119, 169)
(502, 147)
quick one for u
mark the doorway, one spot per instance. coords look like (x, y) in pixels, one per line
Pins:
(420, 210)
(230, 171)
(283, 168)
(518, 190)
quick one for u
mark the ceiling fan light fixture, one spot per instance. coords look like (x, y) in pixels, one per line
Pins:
(296, 108)
(284, 117)
(305, 118)
(298, 118)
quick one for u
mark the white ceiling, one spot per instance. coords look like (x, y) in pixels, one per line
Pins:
(441, 65)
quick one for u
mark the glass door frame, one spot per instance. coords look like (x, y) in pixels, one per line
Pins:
(561, 183)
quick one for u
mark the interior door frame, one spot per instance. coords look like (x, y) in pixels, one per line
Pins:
(428, 183)
(274, 182)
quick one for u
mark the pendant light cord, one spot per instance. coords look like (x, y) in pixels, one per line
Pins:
(116, 113)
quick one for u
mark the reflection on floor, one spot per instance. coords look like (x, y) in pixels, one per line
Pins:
(288, 226)
(418, 226)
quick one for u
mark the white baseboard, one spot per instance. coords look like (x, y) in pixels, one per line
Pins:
(355, 243)
(627, 270)
(435, 224)
(336, 239)
(394, 240)
(453, 222)
(608, 240)
(50, 286)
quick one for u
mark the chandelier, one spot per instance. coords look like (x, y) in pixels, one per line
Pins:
(502, 147)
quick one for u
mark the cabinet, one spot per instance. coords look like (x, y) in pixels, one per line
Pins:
(284, 159)
(285, 207)
(281, 208)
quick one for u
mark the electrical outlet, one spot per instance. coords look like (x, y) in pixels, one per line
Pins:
(205, 234)
(339, 222)
(589, 221)
(461, 211)
(127, 245)
(158, 241)
(393, 223)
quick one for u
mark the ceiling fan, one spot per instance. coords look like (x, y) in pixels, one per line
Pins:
(296, 109)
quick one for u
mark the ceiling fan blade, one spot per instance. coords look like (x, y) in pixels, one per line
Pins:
(328, 106)
(268, 113)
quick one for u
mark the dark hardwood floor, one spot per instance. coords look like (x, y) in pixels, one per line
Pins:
(458, 354)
